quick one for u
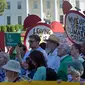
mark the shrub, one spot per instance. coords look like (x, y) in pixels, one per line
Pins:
(0, 28)
(8, 28)
(17, 27)
(4, 28)
(12, 28)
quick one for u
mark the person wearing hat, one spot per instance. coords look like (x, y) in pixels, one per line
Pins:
(12, 69)
(75, 69)
(53, 60)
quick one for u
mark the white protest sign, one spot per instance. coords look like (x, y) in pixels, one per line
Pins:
(42, 29)
(75, 26)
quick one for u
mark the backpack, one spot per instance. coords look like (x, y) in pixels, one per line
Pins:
(51, 75)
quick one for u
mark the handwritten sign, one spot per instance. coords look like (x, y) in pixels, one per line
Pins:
(42, 29)
(75, 26)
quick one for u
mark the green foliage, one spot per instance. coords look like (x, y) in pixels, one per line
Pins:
(17, 27)
(3, 5)
(0, 28)
(4, 28)
(12, 28)
(8, 28)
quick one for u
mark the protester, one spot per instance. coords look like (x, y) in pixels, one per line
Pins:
(83, 56)
(43, 45)
(12, 69)
(12, 52)
(63, 53)
(53, 60)
(83, 49)
(34, 41)
(31, 68)
(21, 50)
(75, 69)
(4, 57)
(75, 52)
(38, 60)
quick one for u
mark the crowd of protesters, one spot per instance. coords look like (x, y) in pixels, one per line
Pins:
(48, 61)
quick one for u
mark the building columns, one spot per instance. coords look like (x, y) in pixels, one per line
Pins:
(27, 7)
(41, 10)
(56, 11)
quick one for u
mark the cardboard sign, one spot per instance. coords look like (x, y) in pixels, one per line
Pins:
(2, 44)
(12, 39)
(75, 26)
(42, 29)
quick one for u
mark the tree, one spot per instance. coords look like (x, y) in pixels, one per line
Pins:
(3, 5)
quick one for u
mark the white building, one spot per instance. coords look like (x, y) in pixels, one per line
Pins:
(46, 9)
(16, 12)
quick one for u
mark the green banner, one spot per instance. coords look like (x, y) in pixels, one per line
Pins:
(12, 39)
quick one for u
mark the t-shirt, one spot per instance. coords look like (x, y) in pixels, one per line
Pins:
(40, 74)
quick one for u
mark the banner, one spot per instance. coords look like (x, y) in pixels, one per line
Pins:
(41, 83)
(2, 44)
(12, 39)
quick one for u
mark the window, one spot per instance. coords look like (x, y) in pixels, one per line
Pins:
(20, 20)
(8, 5)
(61, 3)
(61, 19)
(19, 6)
(77, 4)
(8, 20)
(35, 4)
(48, 4)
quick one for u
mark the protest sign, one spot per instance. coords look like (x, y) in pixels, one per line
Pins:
(31, 20)
(12, 39)
(75, 26)
(42, 29)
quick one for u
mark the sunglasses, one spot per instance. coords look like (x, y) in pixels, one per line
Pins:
(31, 41)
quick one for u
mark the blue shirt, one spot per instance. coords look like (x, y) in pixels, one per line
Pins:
(2, 74)
(39, 49)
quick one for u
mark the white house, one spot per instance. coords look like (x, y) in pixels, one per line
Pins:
(18, 10)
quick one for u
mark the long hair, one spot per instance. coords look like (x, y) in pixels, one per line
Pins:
(38, 58)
